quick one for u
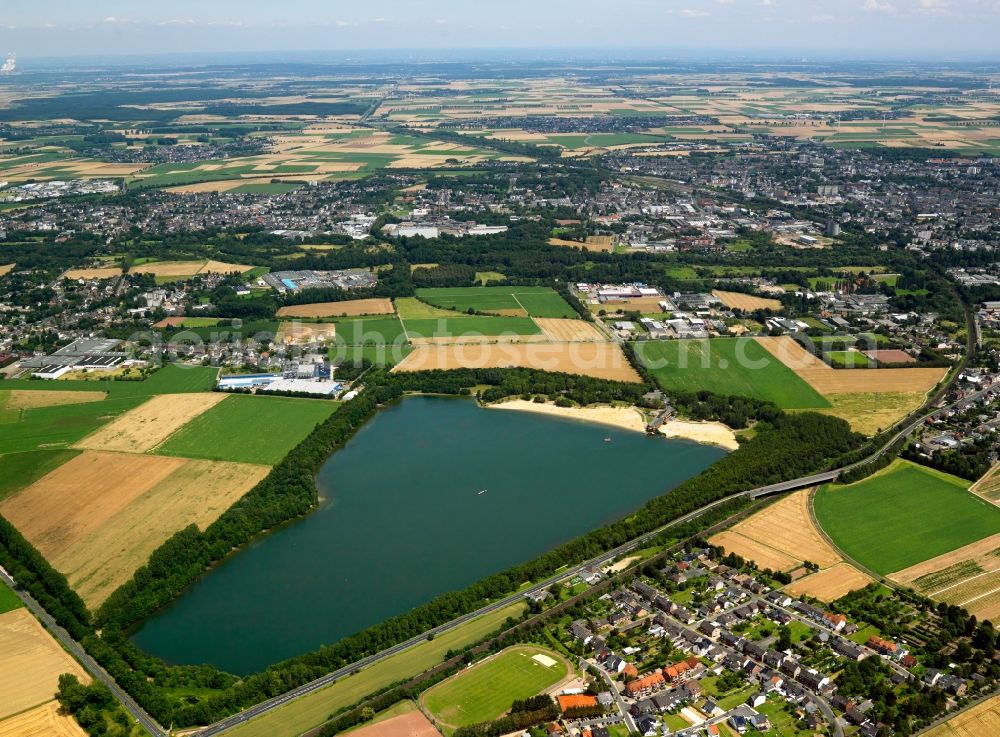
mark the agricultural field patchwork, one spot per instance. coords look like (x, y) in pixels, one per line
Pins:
(235, 429)
(727, 366)
(100, 516)
(514, 301)
(486, 690)
(982, 719)
(43, 721)
(902, 516)
(354, 307)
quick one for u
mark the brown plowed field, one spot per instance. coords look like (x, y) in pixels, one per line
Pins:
(45, 721)
(600, 360)
(377, 306)
(100, 516)
(143, 428)
(830, 584)
(413, 724)
(300, 333)
(30, 399)
(31, 662)
(570, 331)
(746, 302)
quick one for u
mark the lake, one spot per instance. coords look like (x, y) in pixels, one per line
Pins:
(431, 495)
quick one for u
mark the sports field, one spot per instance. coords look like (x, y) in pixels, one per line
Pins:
(728, 366)
(249, 429)
(314, 709)
(486, 691)
(903, 515)
(516, 301)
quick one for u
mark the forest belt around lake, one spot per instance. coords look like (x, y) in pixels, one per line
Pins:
(785, 446)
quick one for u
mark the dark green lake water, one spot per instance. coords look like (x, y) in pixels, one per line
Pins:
(401, 520)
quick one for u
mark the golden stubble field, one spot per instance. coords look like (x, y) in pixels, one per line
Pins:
(600, 360)
(145, 427)
(968, 577)
(783, 536)
(869, 399)
(350, 308)
(746, 302)
(98, 517)
(31, 662)
(31, 399)
(43, 721)
(981, 720)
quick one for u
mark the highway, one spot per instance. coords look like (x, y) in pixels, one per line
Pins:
(89, 664)
(266, 706)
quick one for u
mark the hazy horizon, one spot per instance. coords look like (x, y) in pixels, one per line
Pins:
(932, 29)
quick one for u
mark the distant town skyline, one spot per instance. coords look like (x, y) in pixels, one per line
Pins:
(931, 28)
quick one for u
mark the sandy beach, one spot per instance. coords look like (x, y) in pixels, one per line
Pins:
(712, 433)
(630, 418)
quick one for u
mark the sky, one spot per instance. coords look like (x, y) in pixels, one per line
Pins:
(861, 28)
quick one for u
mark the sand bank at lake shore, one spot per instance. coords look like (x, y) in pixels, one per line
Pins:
(630, 418)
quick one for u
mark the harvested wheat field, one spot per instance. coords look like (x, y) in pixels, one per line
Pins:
(300, 333)
(31, 662)
(476, 339)
(197, 493)
(414, 724)
(601, 246)
(868, 413)
(988, 487)
(6, 269)
(749, 549)
(170, 268)
(600, 360)
(830, 584)
(968, 577)
(746, 302)
(560, 330)
(787, 527)
(76, 499)
(979, 721)
(99, 273)
(828, 380)
(221, 267)
(30, 399)
(45, 721)
(350, 308)
(143, 428)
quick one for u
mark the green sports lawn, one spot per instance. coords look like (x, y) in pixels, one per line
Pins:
(536, 301)
(727, 366)
(904, 515)
(250, 429)
(486, 691)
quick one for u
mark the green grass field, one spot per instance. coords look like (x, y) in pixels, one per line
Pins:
(171, 379)
(729, 366)
(251, 429)
(315, 709)
(8, 600)
(473, 325)
(61, 426)
(369, 331)
(904, 515)
(848, 359)
(536, 301)
(487, 690)
(18, 470)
